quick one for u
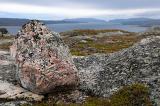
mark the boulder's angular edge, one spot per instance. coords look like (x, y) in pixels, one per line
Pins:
(44, 61)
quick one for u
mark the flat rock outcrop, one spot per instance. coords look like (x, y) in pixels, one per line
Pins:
(102, 75)
(11, 94)
(43, 60)
(7, 68)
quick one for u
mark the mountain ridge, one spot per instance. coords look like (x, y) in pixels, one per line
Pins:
(20, 22)
(85, 20)
(143, 22)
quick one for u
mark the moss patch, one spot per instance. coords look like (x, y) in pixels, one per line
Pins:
(6, 37)
(84, 32)
(132, 95)
(106, 44)
(6, 45)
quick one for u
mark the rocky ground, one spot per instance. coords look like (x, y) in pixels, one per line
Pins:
(126, 67)
(6, 42)
(10, 90)
(104, 74)
(87, 42)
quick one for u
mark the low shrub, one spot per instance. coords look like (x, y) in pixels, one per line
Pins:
(133, 95)
(5, 46)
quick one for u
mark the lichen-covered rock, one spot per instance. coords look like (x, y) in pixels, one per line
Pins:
(152, 31)
(7, 68)
(104, 74)
(10, 92)
(44, 61)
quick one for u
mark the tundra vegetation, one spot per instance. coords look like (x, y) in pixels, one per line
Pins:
(6, 42)
(87, 42)
(131, 95)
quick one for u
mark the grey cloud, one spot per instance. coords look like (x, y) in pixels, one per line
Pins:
(101, 4)
(96, 4)
(154, 14)
(122, 4)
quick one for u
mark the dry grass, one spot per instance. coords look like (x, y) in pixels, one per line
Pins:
(5, 45)
(106, 44)
(132, 95)
(88, 32)
(6, 37)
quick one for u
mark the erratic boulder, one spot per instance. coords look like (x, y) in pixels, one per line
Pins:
(102, 75)
(43, 60)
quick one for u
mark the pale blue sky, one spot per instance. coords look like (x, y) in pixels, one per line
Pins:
(60, 9)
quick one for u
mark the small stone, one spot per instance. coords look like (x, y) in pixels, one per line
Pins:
(2, 92)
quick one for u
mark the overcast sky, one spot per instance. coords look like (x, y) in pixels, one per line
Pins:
(60, 9)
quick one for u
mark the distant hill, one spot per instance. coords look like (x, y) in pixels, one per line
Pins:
(145, 22)
(20, 22)
(84, 20)
(12, 21)
(130, 20)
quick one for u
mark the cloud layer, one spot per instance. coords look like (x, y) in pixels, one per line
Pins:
(59, 9)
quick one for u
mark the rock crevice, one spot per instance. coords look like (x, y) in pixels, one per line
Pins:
(102, 75)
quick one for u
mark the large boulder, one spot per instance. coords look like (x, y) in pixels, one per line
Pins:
(102, 75)
(43, 61)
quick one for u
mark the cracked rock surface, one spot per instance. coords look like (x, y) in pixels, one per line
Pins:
(11, 94)
(102, 75)
(7, 67)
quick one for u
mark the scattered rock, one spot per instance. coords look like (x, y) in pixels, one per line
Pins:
(14, 103)
(83, 41)
(152, 31)
(44, 61)
(2, 92)
(12, 92)
(116, 33)
(74, 96)
(102, 75)
(7, 68)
